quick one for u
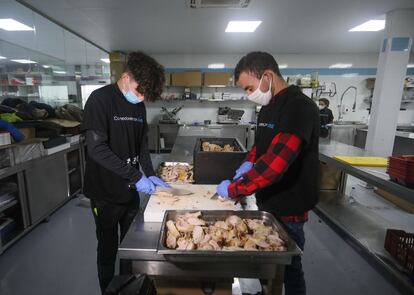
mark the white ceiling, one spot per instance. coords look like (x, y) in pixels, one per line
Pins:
(169, 26)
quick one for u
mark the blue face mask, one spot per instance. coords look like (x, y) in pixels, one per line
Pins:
(131, 97)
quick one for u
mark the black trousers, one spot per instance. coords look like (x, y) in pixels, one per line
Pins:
(109, 219)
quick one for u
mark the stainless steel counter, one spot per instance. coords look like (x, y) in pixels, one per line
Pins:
(363, 226)
(373, 175)
(403, 143)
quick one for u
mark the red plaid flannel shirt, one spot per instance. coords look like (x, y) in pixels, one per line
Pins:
(269, 169)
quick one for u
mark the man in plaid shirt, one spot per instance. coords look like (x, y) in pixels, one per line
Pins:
(282, 169)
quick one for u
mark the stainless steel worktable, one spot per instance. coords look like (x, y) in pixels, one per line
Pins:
(363, 225)
(140, 246)
(141, 242)
(374, 175)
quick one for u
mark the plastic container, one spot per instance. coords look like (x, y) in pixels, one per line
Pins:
(400, 245)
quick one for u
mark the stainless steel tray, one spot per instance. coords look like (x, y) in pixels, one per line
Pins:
(166, 164)
(192, 256)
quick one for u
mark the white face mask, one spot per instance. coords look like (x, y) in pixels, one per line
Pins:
(260, 97)
(321, 107)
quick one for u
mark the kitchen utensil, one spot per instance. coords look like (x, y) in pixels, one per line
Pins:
(214, 197)
(174, 191)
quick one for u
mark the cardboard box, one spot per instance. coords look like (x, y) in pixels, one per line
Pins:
(187, 79)
(218, 79)
(195, 287)
(29, 133)
(329, 177)
(399, 202)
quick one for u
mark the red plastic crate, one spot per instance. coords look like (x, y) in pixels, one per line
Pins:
(400, 245)
(401, 170)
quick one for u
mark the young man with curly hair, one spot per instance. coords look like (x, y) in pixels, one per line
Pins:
(116, 135)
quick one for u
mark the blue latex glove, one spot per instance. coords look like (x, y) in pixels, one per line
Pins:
(223, 189)
(158, 181)
(14, 132)
(144, 185)
(246, 166)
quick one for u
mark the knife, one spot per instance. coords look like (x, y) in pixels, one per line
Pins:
(174, 191)
(214, 197)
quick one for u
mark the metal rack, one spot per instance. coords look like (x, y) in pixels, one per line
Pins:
(43, 186)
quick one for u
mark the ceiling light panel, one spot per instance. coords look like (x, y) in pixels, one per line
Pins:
(242, 26)
(372, 25)
(10, 24)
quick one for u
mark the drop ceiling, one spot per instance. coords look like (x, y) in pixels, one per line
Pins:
(170, 26)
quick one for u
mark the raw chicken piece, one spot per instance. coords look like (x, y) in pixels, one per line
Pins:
(235, 243)
(193, 215)
(222, 225)
(206, 239)
(184, 226)
(198, 234)
(262, 244)
(253, 224)
(195, 221)
(206, 247)
(172, 230)
(171, 241)
(275, 240)
(214, 244)
(190, 246)
(233, 220)
(241, 227)
(182, 244)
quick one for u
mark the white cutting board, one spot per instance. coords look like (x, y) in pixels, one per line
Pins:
(199, 200)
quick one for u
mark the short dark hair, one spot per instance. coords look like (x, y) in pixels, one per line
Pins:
(325, 101)
(148, 73)
(256, 63)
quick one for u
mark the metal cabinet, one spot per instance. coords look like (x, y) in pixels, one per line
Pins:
(46, 185)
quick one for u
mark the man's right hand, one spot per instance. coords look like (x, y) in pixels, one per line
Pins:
(144, 185)
(246, 166)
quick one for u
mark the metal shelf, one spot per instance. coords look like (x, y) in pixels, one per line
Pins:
(365, 231)
(9, 205)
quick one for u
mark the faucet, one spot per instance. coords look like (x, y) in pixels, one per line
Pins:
(340, 117)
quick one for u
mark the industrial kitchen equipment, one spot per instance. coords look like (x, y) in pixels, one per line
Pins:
(227, 115)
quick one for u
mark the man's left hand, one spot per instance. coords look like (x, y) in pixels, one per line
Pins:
(158, 182)
(222, 189)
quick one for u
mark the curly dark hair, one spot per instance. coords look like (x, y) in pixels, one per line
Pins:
(256, 63)
(148, 73)
(325, 101)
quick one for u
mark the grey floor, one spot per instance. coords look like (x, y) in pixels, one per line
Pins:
(58, 257)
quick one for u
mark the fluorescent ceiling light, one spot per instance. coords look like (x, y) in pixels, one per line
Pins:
(216, 66)
(10, 24)
(24, 61)
(46, 66)
(59, 72)
(242, 26)
(410, 66)
(284, 66)
(2, 57)
(340, 66)
(106, 60)
(372, 25)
